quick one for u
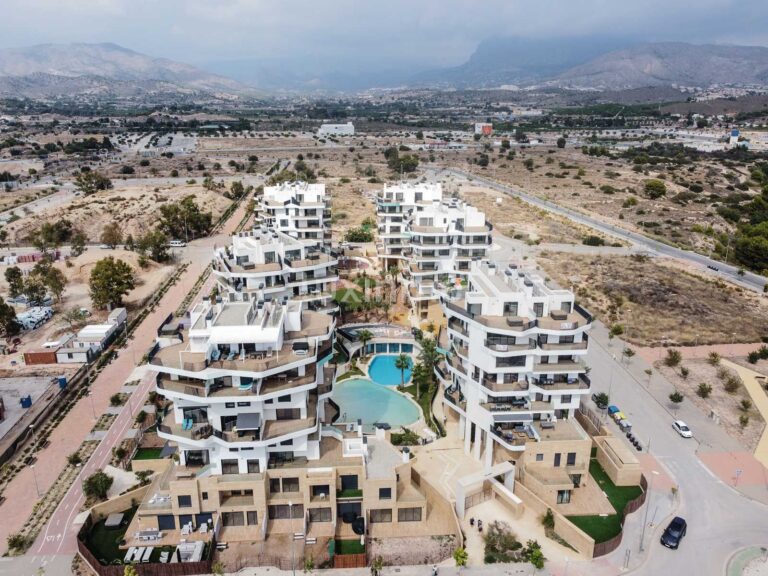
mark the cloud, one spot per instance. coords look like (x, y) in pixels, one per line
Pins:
(355, 33)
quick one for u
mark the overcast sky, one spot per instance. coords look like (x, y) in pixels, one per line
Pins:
(364, 32)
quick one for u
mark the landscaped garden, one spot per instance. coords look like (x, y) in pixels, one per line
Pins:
(147, 454)
(602, 528)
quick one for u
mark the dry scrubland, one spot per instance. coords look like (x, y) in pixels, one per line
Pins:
(727, 405)
(518, 219)
(657, 301)
(135, 208)
(573, 179)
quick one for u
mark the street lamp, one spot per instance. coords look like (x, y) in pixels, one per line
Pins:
(93, 407)
(654, 473)
(32, 436)
(34, 475)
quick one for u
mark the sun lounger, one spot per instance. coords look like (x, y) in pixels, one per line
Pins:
(147, 554)
(137, 556)
(129, 555)
(164, 557)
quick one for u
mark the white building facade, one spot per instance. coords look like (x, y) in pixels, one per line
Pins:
(515, 372)
(299, 209)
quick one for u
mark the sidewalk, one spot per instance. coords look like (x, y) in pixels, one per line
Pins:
(74, 428)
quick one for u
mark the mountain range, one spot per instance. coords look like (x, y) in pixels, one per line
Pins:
(52, 70)
(601, 64)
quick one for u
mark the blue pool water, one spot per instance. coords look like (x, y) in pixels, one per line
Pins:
(359, 398)
(382, 371)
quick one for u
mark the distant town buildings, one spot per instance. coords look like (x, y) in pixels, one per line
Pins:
(347, 129)
(483, 128)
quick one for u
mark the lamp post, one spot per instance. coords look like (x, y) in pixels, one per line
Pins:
(654, 473)
(32, 436)
(610, 386)
(34, 475)
(93, 407)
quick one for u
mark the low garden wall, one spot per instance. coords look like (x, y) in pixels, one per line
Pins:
(119, 503)
(564, 528)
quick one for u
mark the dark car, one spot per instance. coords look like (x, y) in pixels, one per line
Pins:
(600, 400)
(674, 533)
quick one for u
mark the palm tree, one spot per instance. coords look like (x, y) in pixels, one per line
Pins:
(402, 363)
(419, 376)
(364, 336)
(429, 356)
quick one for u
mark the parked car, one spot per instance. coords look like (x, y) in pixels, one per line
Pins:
(674, 533)
(601, 400)
(177, 243)
(682, 428)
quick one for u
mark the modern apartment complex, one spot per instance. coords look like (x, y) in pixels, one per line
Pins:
(247, 385)
(299, 209)
(515, 376)
(393, 205)
(444, 238)
(267, 264)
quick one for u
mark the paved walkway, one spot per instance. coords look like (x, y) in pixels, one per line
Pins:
(58, 536)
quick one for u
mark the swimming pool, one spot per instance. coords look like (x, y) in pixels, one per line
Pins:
(359, 398)
(382, 370)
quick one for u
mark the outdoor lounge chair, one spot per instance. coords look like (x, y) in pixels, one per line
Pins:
(146, 556)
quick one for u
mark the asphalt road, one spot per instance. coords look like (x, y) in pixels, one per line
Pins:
(748, 280)
(720, 519)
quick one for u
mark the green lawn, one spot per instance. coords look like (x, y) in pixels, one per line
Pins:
(147, 454)
(349, 547)
(603, 528)
(104, 543)
(425, 401)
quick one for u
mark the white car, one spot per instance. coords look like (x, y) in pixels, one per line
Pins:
(177, 243)
(682, 429)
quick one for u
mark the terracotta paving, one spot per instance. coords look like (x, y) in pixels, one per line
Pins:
(726, 464)
(66, 438)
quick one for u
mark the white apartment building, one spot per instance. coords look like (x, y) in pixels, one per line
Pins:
(246, 382)
(347, 129)
(443, 239)
(271, 265)
(515, 375)
(393, 206)
(299, 209)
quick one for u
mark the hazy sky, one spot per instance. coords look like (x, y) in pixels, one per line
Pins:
(363, 33)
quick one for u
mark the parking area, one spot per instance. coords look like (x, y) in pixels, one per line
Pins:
(12, 390)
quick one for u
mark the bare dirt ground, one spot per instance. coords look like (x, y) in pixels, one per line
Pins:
(517, 219)
(657, 301)
(725, 405)
(135, 208)
(611, 189)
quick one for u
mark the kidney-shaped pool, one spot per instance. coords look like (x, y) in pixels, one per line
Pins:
(359, 398)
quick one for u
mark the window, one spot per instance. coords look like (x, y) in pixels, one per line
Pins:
(204, 495)
(409, 515)
(557, 460)
(230, 467)
(229, 404)
(232, 519)
(563, 496)
(283, 511)
(385, 493)
(566, 398)
(380, 516)
(234, 449)
(253, 466)
(570, 460)
(539, 457)
(319, 514)
(243, 403)
(274, 485)
(252, 518)
(290, 484)
(285, 398)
